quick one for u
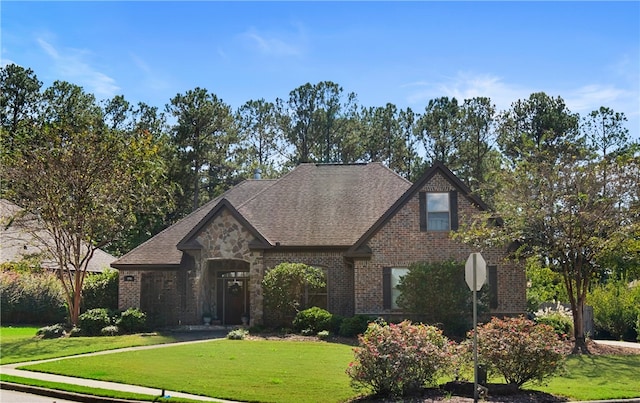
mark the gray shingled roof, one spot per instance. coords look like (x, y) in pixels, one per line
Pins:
(313, 205)
(21, 235)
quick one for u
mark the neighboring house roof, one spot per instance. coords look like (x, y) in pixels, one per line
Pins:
(18, 239)
(314, 205)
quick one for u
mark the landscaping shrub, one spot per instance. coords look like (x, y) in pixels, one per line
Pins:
(616, 306)
(31, 297)
(323, 335)
(110, 330)
(449, 304)
(285, 287)
(355, 325)
(520, 349)
(237, 334)
(397, 359)
(93, 321)
(132, 320)
(51, 332)
(559, 318)
(100, 290)
(314, 319)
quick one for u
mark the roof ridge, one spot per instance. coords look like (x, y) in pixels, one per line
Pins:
(274, 183)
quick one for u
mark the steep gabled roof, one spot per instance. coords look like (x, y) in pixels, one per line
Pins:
(314, 205)
(360, 248)
(161, 250)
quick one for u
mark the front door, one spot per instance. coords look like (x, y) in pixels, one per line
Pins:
(233, 297)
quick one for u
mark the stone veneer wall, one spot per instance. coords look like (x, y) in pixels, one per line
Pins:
(340, 284)
(400, 242)
(225, 238)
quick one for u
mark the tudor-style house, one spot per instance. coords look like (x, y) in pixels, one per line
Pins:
(361, 223)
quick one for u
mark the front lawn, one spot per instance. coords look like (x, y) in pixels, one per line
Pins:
(249, 370)
(18, 344)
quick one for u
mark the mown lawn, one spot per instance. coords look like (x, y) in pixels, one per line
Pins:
(247, 370)
(18, 344)
(263, 370)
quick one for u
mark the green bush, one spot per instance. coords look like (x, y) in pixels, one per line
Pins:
(51, 332)
(100, 290)
(520, 349)
(616, 306)
(397, 359)
(314, 319)
(559, 318)
(449, 304)
(31, 297)
(323, 335)
(285, 287)
(354, 326)
(93, 321)
(132, 320)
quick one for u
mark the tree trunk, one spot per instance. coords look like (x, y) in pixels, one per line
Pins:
(580, 344)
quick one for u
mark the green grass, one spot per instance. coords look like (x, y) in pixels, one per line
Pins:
(90, 391)
(277, 371)
(597, 377)
(18, 344)
(248, 370)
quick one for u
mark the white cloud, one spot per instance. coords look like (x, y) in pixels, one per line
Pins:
(71, 65)
(466, 85)
(274, 44)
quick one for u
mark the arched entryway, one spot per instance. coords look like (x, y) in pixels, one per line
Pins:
(229, 291)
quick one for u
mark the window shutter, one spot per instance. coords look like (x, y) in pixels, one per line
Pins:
(422, 198)
(493, 286)
(453, 209)
(386, 288)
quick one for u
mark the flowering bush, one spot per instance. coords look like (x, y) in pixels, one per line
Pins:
(559, 318)
(520, 349)
(394, 360)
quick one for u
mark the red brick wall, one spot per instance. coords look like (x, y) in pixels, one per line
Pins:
(400, 242)
(339, 274)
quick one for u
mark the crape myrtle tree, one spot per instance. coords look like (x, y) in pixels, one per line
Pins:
(83, 180)
(555, 200)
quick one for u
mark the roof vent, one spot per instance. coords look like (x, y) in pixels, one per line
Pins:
(257, 173)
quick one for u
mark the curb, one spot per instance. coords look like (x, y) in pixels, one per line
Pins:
(60, 394)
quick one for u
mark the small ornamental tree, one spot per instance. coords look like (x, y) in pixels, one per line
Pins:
(448, 305)
(397, 359)
(285, 287)
(520, 349)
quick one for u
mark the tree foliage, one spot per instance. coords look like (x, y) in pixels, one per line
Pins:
(84, 181)
(286, 285)
(448, 304)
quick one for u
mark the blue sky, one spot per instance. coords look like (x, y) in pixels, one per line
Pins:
(405, 53)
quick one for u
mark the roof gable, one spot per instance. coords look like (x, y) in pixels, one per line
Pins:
(360, 249)
(189, 241)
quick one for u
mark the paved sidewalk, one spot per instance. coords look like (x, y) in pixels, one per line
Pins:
(12, 369)
(627, 344)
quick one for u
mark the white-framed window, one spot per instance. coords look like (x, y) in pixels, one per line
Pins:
(438, 212)
(390, 279)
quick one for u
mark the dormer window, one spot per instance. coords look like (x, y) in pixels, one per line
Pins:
(438, 211)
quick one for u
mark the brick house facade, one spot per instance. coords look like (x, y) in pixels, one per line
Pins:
(356, 222)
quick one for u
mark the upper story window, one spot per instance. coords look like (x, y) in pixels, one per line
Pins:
(438, 217)
(438, 211)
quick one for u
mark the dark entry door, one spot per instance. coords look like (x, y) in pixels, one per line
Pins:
(233, 300)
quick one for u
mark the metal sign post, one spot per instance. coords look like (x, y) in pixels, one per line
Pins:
(475, 276)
